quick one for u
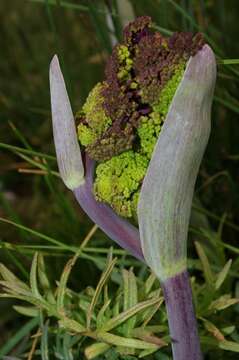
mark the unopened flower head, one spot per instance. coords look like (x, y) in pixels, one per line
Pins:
(122, 118)
(146, 128)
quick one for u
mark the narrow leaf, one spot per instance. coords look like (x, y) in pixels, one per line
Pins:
(71, 325)
(44, 343)
(43, 279)
(126, 342)
(149, 313)
(95, 350)
(116, 321)
(205, 263)
(229, 345)
(18, 336)
(33, 277)
(213, 330)
(11, 278)
(130, 299)
(14, 288)
(62, 284)
(104, 277)
(27, 310)
(223, 302)
(101, 314)
(223, 274)
(149, 283)
(147, 352)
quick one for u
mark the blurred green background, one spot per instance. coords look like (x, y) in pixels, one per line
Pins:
(80, 32)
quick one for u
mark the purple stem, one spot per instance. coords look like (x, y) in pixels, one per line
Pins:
(182, 320)
(121, 231)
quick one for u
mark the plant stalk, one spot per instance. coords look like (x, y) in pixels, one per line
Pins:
(181, 317)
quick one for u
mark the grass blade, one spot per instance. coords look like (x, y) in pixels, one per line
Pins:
(19, 335)
(104, 277)
(205, 263)
(40, 235)
(223, 274)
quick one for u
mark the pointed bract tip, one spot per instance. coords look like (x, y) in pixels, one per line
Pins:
(65, 138)
(54, 65)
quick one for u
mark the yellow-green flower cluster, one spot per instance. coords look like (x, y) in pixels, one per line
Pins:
(162, 105)
(125, 62)
(118, 181)
(150, 126)
(95, 121)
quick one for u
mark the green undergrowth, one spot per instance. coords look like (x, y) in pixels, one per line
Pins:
(123, 314)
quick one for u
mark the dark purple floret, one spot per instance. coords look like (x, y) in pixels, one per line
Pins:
(137, 29)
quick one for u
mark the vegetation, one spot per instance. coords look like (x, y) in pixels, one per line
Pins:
(99, 306)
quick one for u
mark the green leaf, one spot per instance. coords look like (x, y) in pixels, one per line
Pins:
(126, 342)
(223, 274)
(100, 317)
(67, 346)
(19, 135)
(140, 331)
(228, 329)
(213, 330)
(33, 277)
(17, 149)
(229, 61)
(62, 284)
(147, 352)
(95, 350)
(43, 279)
(11, 278)
(104, 278)
(18, 336)
(37, 164)
(71, 325)
(9, 210)
(119, 319)
(64, 4)
(40, 235)
(44, 342)
(31, 311)
(149, 313)
(223, 302)
(15, 288)
(205, 263)
(130, 299)
(149, 283)
(228, 104)
(229, 345)
(100, 25)
(214, 216)
(30, 299)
